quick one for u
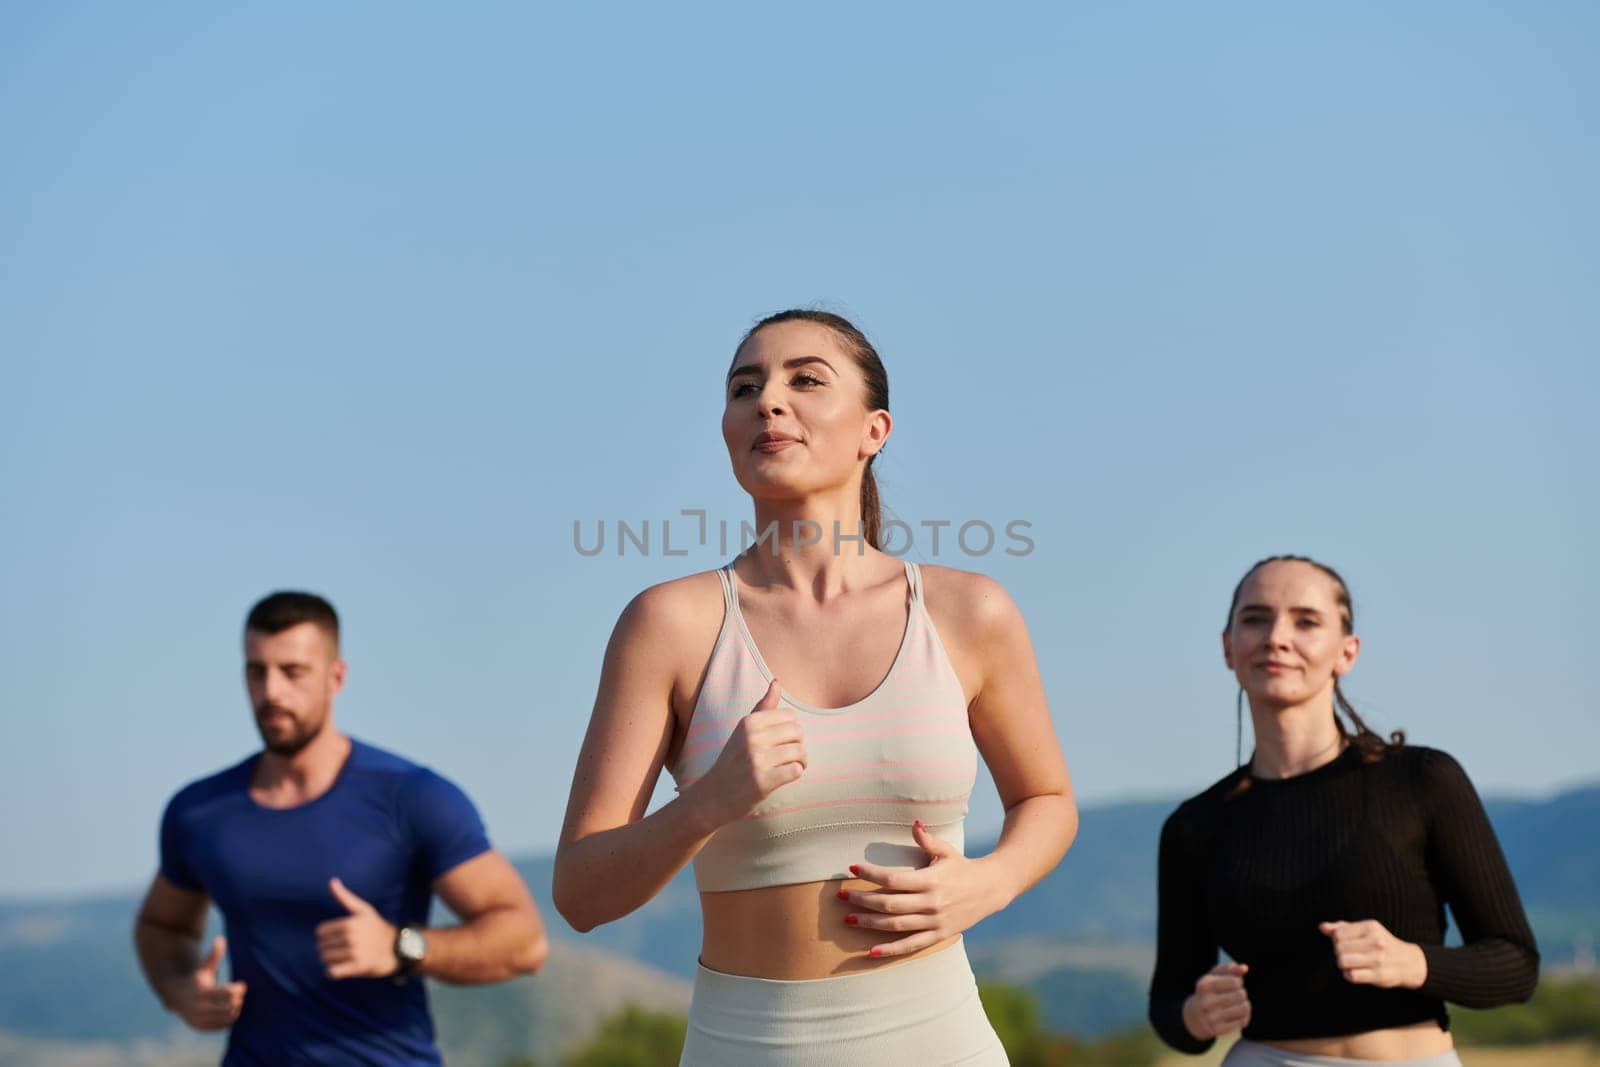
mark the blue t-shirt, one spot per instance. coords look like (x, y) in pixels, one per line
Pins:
(387, 828)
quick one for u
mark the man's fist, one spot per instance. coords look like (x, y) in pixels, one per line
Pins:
(360, 945)
(199, 1001)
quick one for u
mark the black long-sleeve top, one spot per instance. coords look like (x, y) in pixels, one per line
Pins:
(1253, 865)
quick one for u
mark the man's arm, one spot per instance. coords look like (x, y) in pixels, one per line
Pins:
(166, 936)
(500, 935)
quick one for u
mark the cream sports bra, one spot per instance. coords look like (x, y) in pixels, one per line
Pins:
(901, 753)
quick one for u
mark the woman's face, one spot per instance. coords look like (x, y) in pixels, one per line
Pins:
(1286, 642)
(796, 421)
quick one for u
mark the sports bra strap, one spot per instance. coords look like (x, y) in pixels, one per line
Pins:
(914, 577)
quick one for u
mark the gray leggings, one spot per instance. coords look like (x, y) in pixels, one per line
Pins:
(1255, 1054)
(917, 1014)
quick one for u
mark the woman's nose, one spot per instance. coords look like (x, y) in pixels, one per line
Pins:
(770, 402)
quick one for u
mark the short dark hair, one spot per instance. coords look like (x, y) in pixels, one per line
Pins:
(278, 611)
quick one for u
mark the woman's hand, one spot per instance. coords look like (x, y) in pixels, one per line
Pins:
(1369, 954)
(1219, 1004)
(928, 905)
(765, 751)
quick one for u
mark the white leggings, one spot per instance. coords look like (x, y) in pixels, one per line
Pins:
(1255, 1054)
(922, 1013)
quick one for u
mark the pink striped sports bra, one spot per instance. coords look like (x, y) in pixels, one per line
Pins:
(901, 753)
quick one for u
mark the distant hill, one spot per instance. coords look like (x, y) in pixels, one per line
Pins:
(550, 1012)
(70, 990)
(180, 1050)
(1554, 850)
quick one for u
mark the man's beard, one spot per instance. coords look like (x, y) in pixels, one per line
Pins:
(301, 736)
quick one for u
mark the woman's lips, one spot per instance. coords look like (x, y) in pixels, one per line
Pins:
(774, 442)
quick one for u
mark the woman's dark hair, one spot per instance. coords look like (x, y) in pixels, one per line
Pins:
(877, 399)
(1371, 745)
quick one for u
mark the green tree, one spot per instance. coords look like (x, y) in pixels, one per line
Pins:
(634, 1037)
(1014, 1014)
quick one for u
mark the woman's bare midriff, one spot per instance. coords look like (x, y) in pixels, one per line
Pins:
(792, 932)
(1396, 1043)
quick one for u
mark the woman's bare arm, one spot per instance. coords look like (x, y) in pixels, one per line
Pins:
(612, 858)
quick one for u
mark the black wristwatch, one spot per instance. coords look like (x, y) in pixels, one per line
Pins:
(409, 949)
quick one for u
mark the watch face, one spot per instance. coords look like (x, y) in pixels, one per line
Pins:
(410, 946)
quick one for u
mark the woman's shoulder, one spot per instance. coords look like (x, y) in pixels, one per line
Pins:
(1421, 756)
(1409, 761)
(1430, 771)
(1193, 825)
(675, 608)
(975, 598)
(1207, 804)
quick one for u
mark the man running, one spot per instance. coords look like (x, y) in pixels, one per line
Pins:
(322, 854)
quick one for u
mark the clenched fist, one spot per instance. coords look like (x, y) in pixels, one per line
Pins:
(1368, 954)
(199, 1001)
(361, 945)
(765, 751)
(1219, 1003)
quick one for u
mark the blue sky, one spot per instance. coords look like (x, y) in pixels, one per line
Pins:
(378, 299)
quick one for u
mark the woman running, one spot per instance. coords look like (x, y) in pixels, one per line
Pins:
(1323, 866)
(823, 813)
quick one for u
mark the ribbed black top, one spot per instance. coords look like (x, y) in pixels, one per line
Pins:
(1253, 870)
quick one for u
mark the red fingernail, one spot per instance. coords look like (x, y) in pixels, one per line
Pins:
(855, 870)
(875, 953)
(920, 826)
(843, 895)
(851, 920)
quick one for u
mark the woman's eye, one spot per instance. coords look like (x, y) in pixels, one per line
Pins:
(743, 389)
(807, 379)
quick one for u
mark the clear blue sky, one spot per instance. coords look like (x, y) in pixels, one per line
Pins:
(376, 299)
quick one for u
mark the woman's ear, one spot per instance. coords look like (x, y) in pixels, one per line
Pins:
(1347, 656)
(880, 424)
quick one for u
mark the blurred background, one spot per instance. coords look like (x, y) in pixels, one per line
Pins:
(414, 307)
